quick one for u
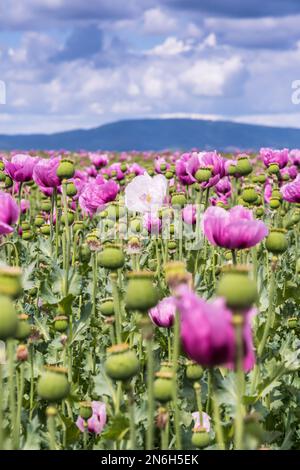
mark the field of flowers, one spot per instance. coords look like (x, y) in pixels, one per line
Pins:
(150, 301)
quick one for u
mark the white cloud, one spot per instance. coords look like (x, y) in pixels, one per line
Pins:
(158, 22)
(171, 46)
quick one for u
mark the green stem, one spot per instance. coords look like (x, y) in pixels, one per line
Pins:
(175, 381)
(240, 384)
(131, 418)
(217, 415)
(31, 382)
(150, 375)
(19, 406)
(51, 430)
(116, 300)
(268, 323)
(11, 387)
(1, 408)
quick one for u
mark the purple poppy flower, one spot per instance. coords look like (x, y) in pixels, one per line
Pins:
(189, 214)
(44, 173)
(20, 167)
(94, 196)
(163, 314)
(152, 223)
(99, 159)
(9, 213)
(181, 170)
(205, 421)
(211, 160)
(291, 191)
(207, 331)
(97, 421)
(25, 205)
(159, 163)
(223, 187)
(270, 156)
(234, 229)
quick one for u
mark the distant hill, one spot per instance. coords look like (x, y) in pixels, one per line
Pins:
(158, 134)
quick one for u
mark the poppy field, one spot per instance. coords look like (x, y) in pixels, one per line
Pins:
(150, 301)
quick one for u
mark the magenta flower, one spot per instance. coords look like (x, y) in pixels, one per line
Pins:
(223, 187)
(207, 332)
(94, 196)
(25, 205)
(270, 156)
(182, 171)
(44, 173)
(20, 167)
(189, 214)
(9, 213)
(291, 191)
(295, 157)
(160, 162)
(136, 169)
(163, 314)
(152, 223)
(205, 421)
(98, 159)
(234, 229)
(97, 421)
(211, 160)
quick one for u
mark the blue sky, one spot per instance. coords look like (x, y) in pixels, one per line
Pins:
(80, 63)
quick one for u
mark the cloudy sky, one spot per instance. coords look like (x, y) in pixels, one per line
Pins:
(80, 63)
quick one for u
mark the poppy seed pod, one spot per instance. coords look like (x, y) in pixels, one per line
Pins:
(273, 169)
(203, 174)
(10, 281)
(169, 175)
(27, 235)
(46, 205)
(276, 241)
(8, 182)
(274, 203)
(85, 410)
(111, 257)
(61, 323)
(53, 384)
(71, 217)
(237, 288)
(243, 166)
(45, 229)
(163, 387)
(84, 253)
(178, 200)
(23, 327)
(78, 225)
(71, 189)
(39, 220)
(292, 323)
(249, 194)
(8, 318)
(65, 169)
(193, 371)
(122, 363)
(141, 294)
(106, 306)
(200, 438)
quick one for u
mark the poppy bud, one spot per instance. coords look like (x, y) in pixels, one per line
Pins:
(106, 306)
(53, 384)
(200, 438)
(61, 323)
(22, 353)
(8, 318)
(65, 169)
(141, 294)
(243, 166)
(23, 327)
(10, 281)
(276, 241)
(111, 257)
(237, 288)
(122, 363)
(163, 387)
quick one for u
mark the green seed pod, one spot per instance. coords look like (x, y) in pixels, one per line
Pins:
(276, 241)
(78, 225)
(243, 166)
(115, 211)
(151, 172)
(136, 225)
(39, 221)
(200, 438)
(111, 257)
(273, 169)
(71, 217)
(2, 166)
(23, 327)
(178, 200)
(232, 170)
(122, 363)
(10, 281)
(27, 235)
(163, 387)
(141, 293)
(259, 212)
(249, 194)
(239, 291)
(106, 306)
(169, 175)
(274, 203)
(61, 323)
(86, 410)
(45, 229)
(166, 366)
(25, 226)
(193, 371)
(298, 266)
(203, 174)
(276, 193)
(292, 323)
(53, 384)
(296, 217)
(84, 253)
(8, 318)
(65, 169)
(261, 178)
(172, 245)
(46, 205)
(2, 177)
(8, 182)
(71, 189)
